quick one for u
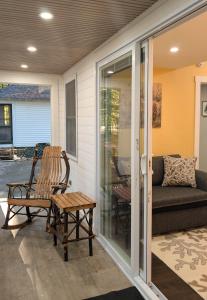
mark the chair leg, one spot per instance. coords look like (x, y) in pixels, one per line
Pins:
(29, 218)
(16, 226)
(48, 219)
(90, 231)
(55, 226)
(116, 215)
(116, 220)
(128, 232)
(77, 224)
(5, 226)
(54, 240)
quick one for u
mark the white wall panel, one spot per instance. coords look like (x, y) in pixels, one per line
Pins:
(31, 123)
(55, 83)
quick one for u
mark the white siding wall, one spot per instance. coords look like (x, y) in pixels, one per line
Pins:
(54, 81)
(83, 171)
(31, 123)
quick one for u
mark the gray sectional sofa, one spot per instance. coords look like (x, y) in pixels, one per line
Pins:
(177, 208)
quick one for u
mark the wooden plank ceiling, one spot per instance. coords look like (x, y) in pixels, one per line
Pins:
(78, 27)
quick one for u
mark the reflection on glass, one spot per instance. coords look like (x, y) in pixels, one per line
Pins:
(5, 115)
(5, 124)
(115, 153)
(142, 151)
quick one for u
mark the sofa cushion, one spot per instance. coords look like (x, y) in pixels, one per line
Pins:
(173, 196)
(179, 171)
(158, 169)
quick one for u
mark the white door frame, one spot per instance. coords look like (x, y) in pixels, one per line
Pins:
(126, 268)
(146, 159)
(130, 270)
(198, 81)
(135, 120)
(149, 162)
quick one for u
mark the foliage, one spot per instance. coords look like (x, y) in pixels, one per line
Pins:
(110, 101)
(3, 85)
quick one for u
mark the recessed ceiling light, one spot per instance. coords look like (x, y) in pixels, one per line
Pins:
(174, 49)
(46, 15)
(32, 49)
(23, 66)
(110, 72)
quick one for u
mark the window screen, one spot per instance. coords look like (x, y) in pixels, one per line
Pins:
(71, 118)
(5, 124)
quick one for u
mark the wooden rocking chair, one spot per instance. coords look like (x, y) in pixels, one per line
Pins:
(37, 192)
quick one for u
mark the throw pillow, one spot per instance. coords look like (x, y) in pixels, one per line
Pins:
(179, 171)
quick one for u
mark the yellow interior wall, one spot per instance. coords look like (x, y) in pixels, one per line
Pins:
(176, 134)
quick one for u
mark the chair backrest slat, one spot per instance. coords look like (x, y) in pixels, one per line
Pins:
(50, 172)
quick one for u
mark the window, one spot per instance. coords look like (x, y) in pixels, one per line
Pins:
(71, 144)
(5, 124)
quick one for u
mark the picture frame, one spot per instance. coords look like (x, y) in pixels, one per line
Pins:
(204, 109)
(156, 106)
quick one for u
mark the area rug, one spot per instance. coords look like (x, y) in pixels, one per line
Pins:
(129, 293)
(186, 254)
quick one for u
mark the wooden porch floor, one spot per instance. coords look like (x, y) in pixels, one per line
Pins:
(32, 268)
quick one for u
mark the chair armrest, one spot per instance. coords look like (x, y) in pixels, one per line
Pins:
(17, 189)
(201, 180)
(60, 186)
(15, 184)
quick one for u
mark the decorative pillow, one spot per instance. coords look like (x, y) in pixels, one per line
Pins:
(179, 171)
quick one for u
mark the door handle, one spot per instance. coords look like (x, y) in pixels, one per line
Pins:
(144, 164)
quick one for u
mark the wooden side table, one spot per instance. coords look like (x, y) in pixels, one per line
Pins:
(69, 205)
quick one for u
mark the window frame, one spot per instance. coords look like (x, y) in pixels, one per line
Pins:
(10, 126)
(71, 156)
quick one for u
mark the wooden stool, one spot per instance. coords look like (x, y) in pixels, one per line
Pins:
(65, 205)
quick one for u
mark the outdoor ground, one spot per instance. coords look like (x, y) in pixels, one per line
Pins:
(13, 171)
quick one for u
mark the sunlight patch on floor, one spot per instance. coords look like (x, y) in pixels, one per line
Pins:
(13, 221)
(25, 253)
(28, 260)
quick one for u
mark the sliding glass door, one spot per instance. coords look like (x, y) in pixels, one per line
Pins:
(145, 166)
(125, 157)
(115, 153)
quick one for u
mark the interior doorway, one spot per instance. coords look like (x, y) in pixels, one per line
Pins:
(201, 121)
(179, 130)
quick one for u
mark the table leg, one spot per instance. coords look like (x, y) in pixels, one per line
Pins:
(77, 224)
(90, 231)
(65, 236)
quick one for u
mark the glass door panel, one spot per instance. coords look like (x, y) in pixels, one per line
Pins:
(145, 163)
(115, 153)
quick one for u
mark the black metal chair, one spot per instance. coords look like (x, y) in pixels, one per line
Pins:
(121, 195)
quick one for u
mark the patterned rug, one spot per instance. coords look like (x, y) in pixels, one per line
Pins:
(186, 254)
